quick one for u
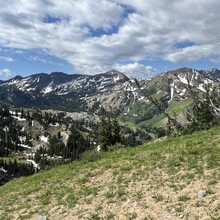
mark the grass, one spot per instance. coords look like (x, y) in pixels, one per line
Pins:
(183, 198)
(158, 198)
(176, 106)
(129, 174)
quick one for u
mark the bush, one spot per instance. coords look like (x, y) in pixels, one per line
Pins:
(91, 155)
(116, 146)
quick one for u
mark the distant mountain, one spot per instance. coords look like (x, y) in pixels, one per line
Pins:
(171, 83)
(67, 92)
(170, 88)
(112, 90)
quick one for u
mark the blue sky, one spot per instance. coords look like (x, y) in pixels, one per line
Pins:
(140, 38)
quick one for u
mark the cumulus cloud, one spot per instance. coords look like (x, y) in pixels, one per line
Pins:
(136, 70)
(194, 53)
(6, 59)
(95, 35)
(5, 73)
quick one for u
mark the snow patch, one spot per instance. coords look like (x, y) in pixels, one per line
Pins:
(98, 148)
(31, 89)
(19, 118)
(201, 87)
(158, 91)
(55, 125)
(183, 91)
(44, 139)
(25, 146)
(48, 89)
(183, 79)
(22, 138)
(171, 91)
(141, 98)
(116, 79)
(6, 128)
(3, 170)
(34, 163)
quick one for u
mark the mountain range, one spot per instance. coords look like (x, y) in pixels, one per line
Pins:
(113, 90)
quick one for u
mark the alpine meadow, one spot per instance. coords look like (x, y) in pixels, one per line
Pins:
(109, 110)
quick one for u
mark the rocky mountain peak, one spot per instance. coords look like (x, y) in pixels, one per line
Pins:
(111, 89)
(18, 77)
(115, 75)
(58, 74)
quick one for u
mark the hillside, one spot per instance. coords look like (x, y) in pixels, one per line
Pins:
(176, 178)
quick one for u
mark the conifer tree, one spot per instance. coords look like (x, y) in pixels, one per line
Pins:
(116, 131)
(103, 139)
(109, 132)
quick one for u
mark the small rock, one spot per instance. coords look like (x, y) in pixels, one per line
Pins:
(135, 204)
(67, 213)
(201, 194)
(172, 211)
(42, 217)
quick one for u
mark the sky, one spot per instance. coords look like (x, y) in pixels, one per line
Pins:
(140, 38)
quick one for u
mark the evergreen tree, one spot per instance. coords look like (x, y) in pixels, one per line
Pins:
(116, 136)
(103, 140)
(22, 112)
(109, 132)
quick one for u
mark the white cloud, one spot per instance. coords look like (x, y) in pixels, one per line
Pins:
(194, 53)
(6, 59)
(19, 51)
(38, 59)
(5, 73)
(136, 70)
(94, 35)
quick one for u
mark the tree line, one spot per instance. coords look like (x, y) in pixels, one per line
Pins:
(12, 169)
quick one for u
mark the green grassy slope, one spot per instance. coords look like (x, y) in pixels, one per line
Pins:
(153, 181)
(175, 106)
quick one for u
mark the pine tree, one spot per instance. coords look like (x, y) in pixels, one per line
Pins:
(22, 112)
(116, 136)
(109, 132)
(103, 139)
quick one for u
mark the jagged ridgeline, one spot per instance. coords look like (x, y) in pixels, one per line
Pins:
(113, 90)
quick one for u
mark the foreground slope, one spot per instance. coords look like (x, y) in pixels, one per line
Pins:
(155, 181)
